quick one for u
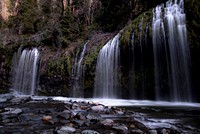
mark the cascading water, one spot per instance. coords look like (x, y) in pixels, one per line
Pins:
(170, 44)
(106, 80)
(25, 71)
(78, 73)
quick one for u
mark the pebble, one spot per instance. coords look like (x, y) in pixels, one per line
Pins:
(46, 118)
(120, 127)
(89, 132)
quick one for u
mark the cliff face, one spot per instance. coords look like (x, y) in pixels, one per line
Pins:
(60, 28)
(5, 9)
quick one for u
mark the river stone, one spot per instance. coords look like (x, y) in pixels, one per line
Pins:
(48, 119)
(81, 116)
(14, 111)
(107, 122)
(152, 132)
(120, 127)
(66, 114)
(2, 100)
(79, 123)
(49, 131)
(75, 106)
(89, 132)
(19, 100)
(137, 131)
(92, 116)
(98, 108)
(66, 130)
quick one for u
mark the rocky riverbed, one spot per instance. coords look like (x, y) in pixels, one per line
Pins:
(26, 115)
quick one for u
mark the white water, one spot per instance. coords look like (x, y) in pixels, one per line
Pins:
(25, 71)
(78, 86)
(125, 102)
(106, 80)
(170, 44)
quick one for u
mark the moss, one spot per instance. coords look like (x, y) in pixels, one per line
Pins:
(57, 67)
(134, 26)
(89, 63)
(3, 91)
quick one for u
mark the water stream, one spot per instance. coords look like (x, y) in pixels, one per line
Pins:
(25, 71)
(171, 52)
(106, 80)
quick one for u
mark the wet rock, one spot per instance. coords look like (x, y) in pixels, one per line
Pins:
(66, 130)
(165, 131)
(50, 131)
(75, 106)
(152, 132)
(65, 114)
(8, 116)
(79, 123)
(137, 131)
(19, 100)
(120, 127)
(89, 132)
(81, 116)
(107, 122)
(15, 111)
(98, 108)
(132, 126)
(64, 121)
(6, 121)
(48, 119)
(74, 113)
(2, 100)
(95, 117)
(6, 97)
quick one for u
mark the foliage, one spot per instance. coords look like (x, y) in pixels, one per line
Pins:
(113, 14)
(25, 21)
(57, 67)
(134, 27)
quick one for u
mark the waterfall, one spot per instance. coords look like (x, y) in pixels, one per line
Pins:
(170, 44)
(25, 71)
(106, 80)
(78, 73)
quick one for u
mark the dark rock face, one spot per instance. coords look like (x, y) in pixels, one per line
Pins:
(193, 21)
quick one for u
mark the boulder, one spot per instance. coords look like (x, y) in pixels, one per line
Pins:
(107, 122)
